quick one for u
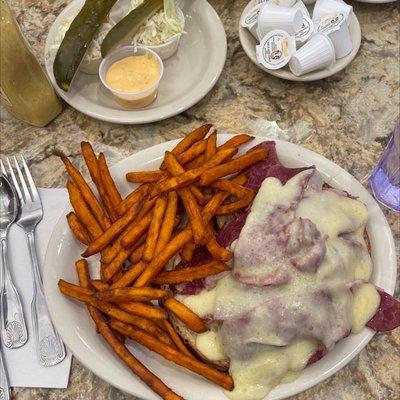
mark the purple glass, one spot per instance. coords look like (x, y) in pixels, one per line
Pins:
(385, 179)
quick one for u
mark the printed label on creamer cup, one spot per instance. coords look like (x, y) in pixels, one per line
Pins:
(283, 3)
(275, 49)
(329, 24)
(306, 30)
(251, 17)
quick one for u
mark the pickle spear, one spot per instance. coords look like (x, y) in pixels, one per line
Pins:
(129, 25)
(77, 40)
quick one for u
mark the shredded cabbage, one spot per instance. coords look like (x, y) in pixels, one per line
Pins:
(159, 28)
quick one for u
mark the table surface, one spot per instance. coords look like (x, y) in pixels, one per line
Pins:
(347, 118)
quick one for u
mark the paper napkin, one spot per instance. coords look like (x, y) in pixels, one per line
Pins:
(23, 367)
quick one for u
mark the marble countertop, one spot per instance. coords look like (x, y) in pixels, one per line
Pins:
(347, 118)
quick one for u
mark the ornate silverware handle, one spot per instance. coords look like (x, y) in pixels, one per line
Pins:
(4, 386)
(13, 324)
(50, 348)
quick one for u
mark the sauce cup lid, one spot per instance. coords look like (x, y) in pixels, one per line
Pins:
(306, 31)
(276, 49)
(330, 23)
(250, 19)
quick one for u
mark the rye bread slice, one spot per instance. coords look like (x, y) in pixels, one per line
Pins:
(189, 338)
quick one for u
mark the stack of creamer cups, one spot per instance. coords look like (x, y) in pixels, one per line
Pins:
(288, 35)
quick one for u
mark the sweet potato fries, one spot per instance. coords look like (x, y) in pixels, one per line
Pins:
(138, 238)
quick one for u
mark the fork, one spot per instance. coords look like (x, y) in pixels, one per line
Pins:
(4, 385)
(51, 350)
(13, 325)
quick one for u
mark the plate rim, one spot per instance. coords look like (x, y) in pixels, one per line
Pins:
(376, 1)
(287, 74)
(148, 117)
(156, 153)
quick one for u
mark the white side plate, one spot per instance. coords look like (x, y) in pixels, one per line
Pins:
(249, 44)
(77, 330)
(188, 75)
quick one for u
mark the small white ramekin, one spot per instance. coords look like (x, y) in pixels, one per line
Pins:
(129, 99)
(164, 50)
(167, 49)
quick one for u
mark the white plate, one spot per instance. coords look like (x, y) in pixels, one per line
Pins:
(249, 44)
(74, 325)
(188, 76)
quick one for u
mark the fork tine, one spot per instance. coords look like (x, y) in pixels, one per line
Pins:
(32, 186)
(27, 196)
(14, 179)
(3, 170)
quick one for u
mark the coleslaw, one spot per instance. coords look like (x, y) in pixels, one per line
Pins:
(159, 29)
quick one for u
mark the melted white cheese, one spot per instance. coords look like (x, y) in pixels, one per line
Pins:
(297, 256)
(203, 303)
(366, 301)
(332, 214)
(257, 376)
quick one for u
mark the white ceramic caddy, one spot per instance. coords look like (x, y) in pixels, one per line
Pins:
(77, 330)
(249, 44)
(188, 75)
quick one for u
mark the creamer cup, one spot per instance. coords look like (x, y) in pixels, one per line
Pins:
(317, 53)
(336, 28)
(306, 31)
(283, 3)
(275, 49)
(324, 8)
(273, 17)
(249, 21)
(299, 5)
